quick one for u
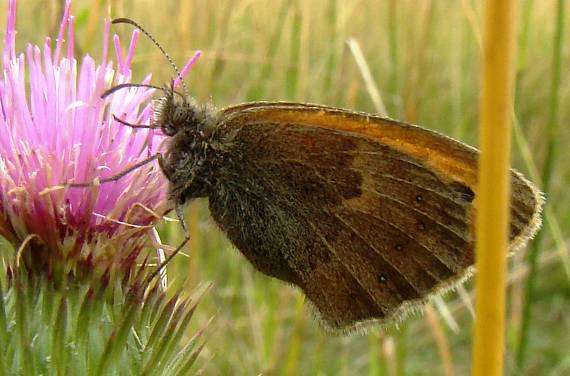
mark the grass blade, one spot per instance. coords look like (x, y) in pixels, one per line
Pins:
(552, 134)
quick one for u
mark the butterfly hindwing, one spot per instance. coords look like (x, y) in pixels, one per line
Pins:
(363, 224)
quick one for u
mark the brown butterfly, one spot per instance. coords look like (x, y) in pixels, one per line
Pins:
(368, 216)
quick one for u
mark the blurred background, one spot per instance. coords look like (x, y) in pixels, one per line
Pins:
(416, 61)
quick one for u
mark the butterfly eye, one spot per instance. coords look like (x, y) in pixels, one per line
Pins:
(169, 130)
(174, 121)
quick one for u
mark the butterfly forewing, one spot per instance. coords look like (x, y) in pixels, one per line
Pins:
(350, 208)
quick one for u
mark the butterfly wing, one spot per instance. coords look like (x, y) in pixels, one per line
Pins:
(368, 216)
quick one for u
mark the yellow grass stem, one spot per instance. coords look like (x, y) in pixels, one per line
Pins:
(497, 86)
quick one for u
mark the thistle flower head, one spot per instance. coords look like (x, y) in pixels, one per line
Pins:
(56, 128)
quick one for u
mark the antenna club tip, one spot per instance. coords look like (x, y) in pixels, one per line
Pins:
(122, 20)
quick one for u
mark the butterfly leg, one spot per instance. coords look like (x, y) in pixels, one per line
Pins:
(180, 214)
(117, 176)
(163, 264)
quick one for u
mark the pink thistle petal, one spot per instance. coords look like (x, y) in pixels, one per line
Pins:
(187, 67)
(118, 53)
(57, 129)
(132, 47)
(71, 34)
(62, 26)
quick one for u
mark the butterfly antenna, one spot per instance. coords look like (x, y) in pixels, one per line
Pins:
(172, 64)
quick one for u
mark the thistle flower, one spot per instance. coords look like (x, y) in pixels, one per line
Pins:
(58, 129)
(96, 312)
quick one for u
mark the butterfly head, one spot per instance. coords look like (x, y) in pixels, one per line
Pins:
(175, 114)
(194, 151)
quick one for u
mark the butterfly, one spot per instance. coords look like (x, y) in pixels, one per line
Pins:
(366, 215)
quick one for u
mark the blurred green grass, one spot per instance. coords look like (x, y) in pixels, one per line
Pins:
(423, 59)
